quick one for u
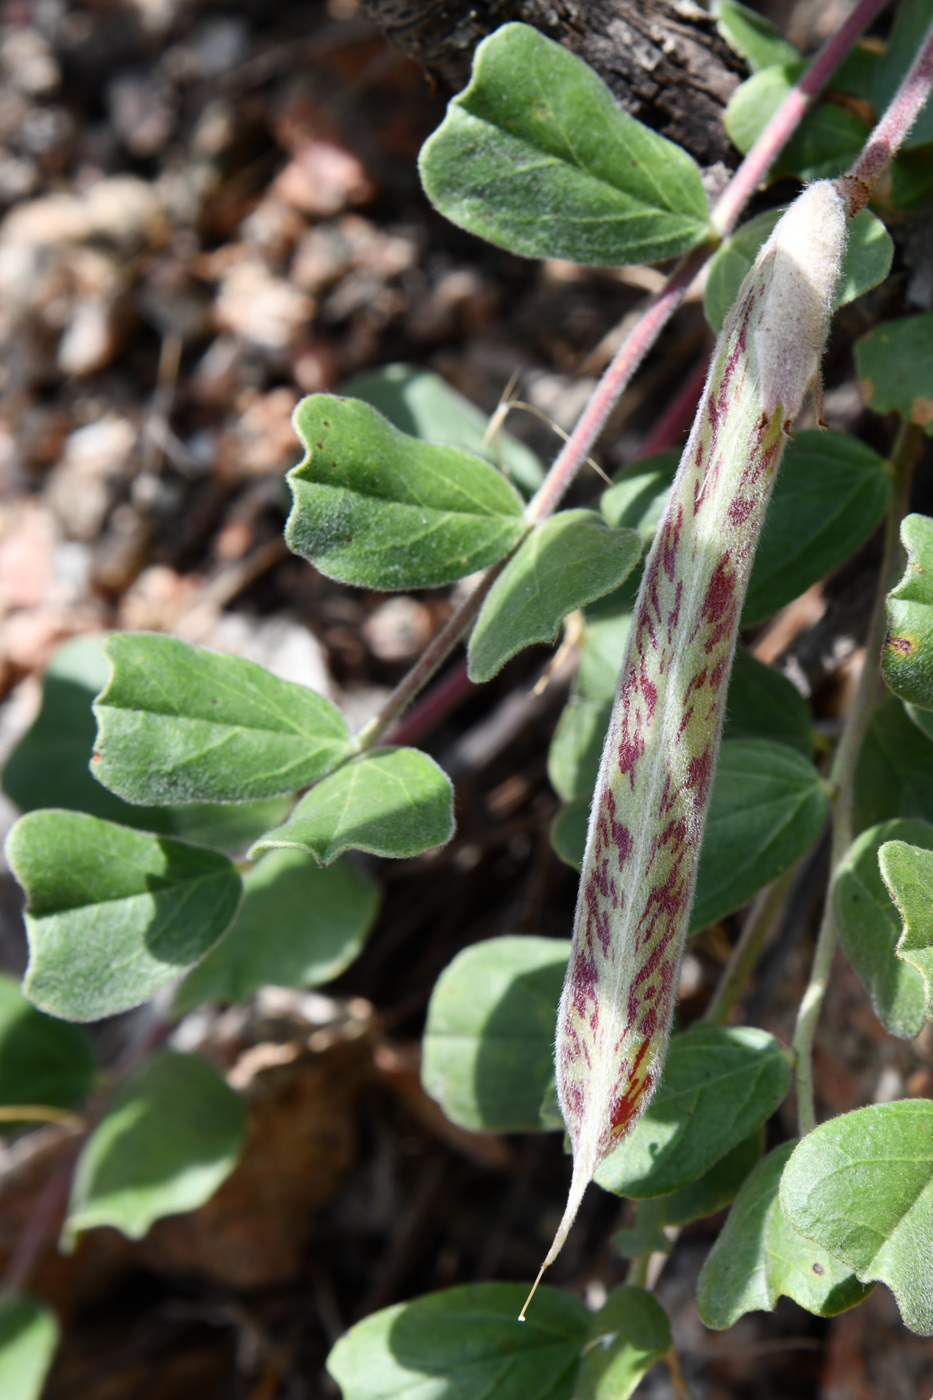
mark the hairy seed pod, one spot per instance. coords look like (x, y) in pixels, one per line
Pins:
(649, 806)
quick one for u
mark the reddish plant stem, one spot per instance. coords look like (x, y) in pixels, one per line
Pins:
(678, 415)
(897, 121)
(633, 351)
(785, 121)
(434, 706)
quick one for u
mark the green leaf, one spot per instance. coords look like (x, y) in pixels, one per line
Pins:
(178, 723)
(638, 494)
(113, 914)
(752, 36)
(377, 508)
(767, 809)
(869, 927)
(488, 1050)
(759, 1257)
(50, 765)
(421, 403)
(861, 1186)
(912, 178)
(894, 773)
(867, 261)
(537, 156)
(390, 802)
(28, 1340)
(719, 1084)
(894, 363)
(907, 657)
(571, 559)
(762, 704)
(825, 143)
(831, 493)
(573, 758)
(907, 870)
(627, 1336)
(298, 926)
(911, 22)
(715, 1189)
(465, 1344)
(172, 1134)
(42, 1060)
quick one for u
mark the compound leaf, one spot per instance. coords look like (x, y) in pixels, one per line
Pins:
(113, 914)
(377, 508)
(171, 1136)
(906, 865)
(465, 1344)
(390, 802)
(907, 658)
(488, 1050)
(298, 926)
(719, 1084)
(861, 1186)
(894, 363)
(178, 723)
(627, 1336)
(569, 560)
(869, 926)
(537, 156)
(759, 1257)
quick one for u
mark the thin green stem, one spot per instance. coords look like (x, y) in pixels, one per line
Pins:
(756, 930)
(638, 1270)
(842, 771)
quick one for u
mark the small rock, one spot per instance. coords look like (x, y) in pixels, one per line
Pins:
(285, 647)
(263, 440)
(27, 61)
(264, 310)
(141, 112)
(81, 486)
(157, 599)
(398, 630)
(323, 178)
(90, 340)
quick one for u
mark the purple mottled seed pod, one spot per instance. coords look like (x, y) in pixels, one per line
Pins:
(651, 797)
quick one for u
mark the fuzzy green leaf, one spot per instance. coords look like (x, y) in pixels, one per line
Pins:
(421, 403)
(488, 1050)
(894, 363)
(298, 926)
(465, 1344)
(171, 1136)
(767, 809)
(752, 36)
(759, 1257)
(715, 1189)
(638, 494)
(178, 723)
(113, 914)
(569, 560)
(869, 927)
(537, 156)
(831, 493)
(627, 1336)
(894, 773)
(907, 658)
(28, 1339)
(825, 143)
(50, 766)
(390, 802)
(377, 508)
(861, 1186)
(867, 261)
(719, 1084)
(907, 870)
(42, 1060)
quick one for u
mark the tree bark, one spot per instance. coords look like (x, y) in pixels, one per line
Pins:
(664, 60)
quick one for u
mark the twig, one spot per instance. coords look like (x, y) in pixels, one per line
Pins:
(842, 771)
(895, 125)
(634, 349)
